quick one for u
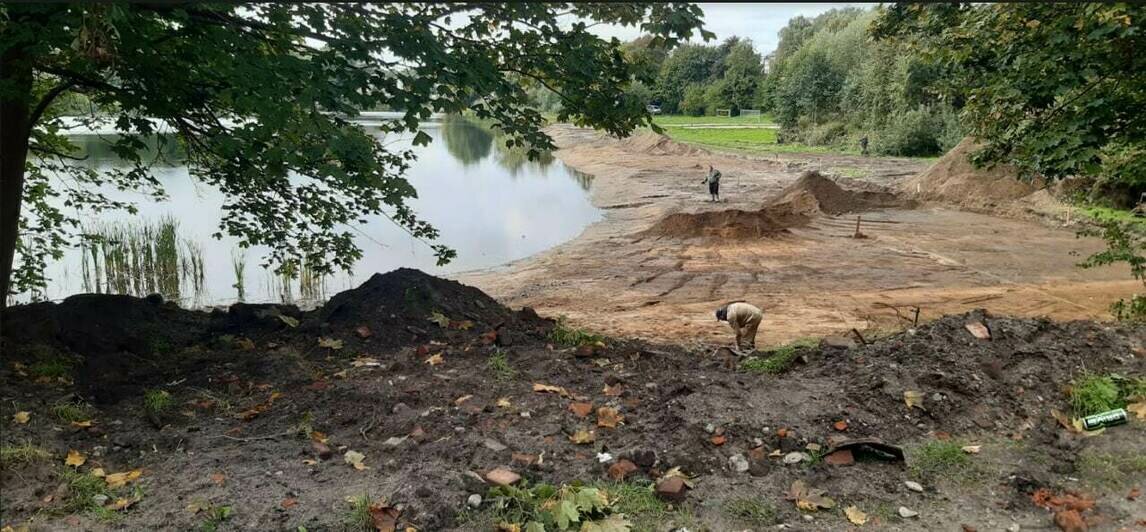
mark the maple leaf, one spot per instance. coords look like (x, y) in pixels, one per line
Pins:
(609, 417)
(548, 388)
(75, 459)
(384, 516)
(434, 360)
(21, 417)
(118, 480)
(355, 458)
(504, 403)
(440, 319)
(855, 515)
(583, 437)
(580, 409)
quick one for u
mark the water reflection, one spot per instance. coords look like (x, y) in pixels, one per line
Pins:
(490, 203)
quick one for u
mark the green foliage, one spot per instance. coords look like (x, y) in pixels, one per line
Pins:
(545, 507)
(695, 101)
(82, 492)
(69, 412)
(358, 516)
(216, 516)
(688, 65)
(1116, 469)
(1093, 394)
(778, 360)
(1125, 243)
(755, 511)
(261, 97)
(937, 458)
(157, 402)
(25, 453)
(565, 335)
(499, 364)
(52, 368)
(1055, 88)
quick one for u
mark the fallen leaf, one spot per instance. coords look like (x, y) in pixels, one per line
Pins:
(308, 461)
(504, 403)
(363, 331)
(1138, 409)
(434, 360)
(330, 343)
(548, 388)
(121, 503)
(118, 480)
(384, 516)
(82, 424)
(291, 322)
(21, 417)
(583, 437)
(841, 426)
(972, 449)
(913, 399)
(855, 515)
(464, 325)
(365, 361)
(782, 432)
(580, 409)
(613, 391)
(245, 344)
(440, 319)
(98, 472)
(318, 436)
(1134, 494)
(75, 459)
(462, 399)
(718, 439)
(289, 502)
(676, 472)
(340, 374)
(355, 458)
(609, 417)
(809, 499)
(197, 506)
(218, 478)
(776, 453)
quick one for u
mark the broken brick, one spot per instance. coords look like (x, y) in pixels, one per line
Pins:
(621, 469)
(842, 457)
(1070, 521)
(502, 477)
(671, 489)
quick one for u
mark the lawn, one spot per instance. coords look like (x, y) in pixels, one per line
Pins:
(684, 120)
(752, 141)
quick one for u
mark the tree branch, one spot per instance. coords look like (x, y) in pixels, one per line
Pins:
(47, 100)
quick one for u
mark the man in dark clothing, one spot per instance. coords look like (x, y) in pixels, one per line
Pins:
(863, 145)
(713, 181)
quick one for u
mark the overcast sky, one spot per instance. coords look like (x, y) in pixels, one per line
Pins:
(759, 22)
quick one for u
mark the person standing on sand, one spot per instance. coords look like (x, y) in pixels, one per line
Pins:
(744, 320)
(713, 181)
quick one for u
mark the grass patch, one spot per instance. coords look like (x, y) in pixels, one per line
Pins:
(216, 515)
(51, 369)
(850, 171)
(752, 510)
(1093, 394)
(1099, 213)
(157, 402)
(778, 360)
(936, 459)
(1111, 470)
(358, 516)
(25, 453)
(685, 120)
(71, 412)
(83, 490)
(499, 364)
(568, 336)
(599, 503)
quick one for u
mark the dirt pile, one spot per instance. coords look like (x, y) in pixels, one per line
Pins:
(657, 144)
(733, 223)
(813, 194)
(953, 179)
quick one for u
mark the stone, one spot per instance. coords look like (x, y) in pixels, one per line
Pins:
(757, 454)
(906, 512)
(400, 408)
(621, 469)
(644, 457)
(1014, 527)
(671, 489)
(842, 457)
(1070, 521)
(322, 450)
(585, 351)
(473, 501)
(710, 428)
(738, 463)
(837, 342)
(494, 445)
(502, 477)
(913, 486)
(395, 441)
(796, 457)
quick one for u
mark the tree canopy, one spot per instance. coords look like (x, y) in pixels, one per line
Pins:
(260, 97)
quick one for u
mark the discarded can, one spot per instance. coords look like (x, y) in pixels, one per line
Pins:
(1105, 419)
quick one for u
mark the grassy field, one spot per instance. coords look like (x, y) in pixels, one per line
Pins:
(682, 120)
(750, 141)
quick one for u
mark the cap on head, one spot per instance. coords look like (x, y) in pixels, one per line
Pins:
(722, 313)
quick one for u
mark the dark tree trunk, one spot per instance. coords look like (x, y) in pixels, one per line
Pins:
(16, 76)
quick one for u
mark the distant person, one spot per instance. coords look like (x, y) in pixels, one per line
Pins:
(863, 145)
(713, 180)
(744, 319)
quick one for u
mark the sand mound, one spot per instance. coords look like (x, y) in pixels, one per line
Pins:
(656, 144)
(814, 194)
(954, 179)
(733, 223)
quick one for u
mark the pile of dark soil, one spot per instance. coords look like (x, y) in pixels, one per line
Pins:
(809, 196)
(428, 404)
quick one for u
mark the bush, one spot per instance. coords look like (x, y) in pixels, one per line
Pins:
(911, 134)
(826, 134)
(694, 101)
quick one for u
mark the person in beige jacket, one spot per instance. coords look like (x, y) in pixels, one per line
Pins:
(744, 320)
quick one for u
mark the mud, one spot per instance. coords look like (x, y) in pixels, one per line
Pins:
(663, 257)
(209, 449)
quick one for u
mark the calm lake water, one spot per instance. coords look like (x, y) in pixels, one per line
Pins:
(490, 204)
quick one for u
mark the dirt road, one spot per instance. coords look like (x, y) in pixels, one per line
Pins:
(814, 280)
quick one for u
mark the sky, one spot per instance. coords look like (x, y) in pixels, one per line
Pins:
(756, 21)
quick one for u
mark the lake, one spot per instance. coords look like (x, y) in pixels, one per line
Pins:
(491, 204)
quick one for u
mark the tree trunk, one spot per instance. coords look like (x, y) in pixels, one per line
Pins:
(16, 74)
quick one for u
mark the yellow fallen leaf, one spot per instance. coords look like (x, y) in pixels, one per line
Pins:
(855, 515)
(121, 503)
(118, 480)
(549, 388)
(583, 437)
(972, 449)
(22, 417)
(98, 472)
(340, 374)
(355, 458)
(1138, 409)
(82, 424)
(330, 343)
(913, 399)
(360, 466)
(609, 417)
(365, 361)
(806, 505)
(245, 344)
(462, 399)
(318, 436)
(434, 360)
(504, 402)
(308, 461)
(75, 459)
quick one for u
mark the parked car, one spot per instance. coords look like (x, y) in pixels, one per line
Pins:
(653, 109)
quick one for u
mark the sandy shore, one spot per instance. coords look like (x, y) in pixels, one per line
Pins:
(812, 281)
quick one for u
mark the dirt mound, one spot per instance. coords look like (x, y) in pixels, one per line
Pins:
(657, 144)
(733, 223)
(813, 194)
(953, 179)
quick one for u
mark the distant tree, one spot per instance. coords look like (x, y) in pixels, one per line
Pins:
(742, 75)
(695, 101)
(259, 95)
(646, 53)
(689, 64)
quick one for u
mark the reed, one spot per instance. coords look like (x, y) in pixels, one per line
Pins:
(141, 258)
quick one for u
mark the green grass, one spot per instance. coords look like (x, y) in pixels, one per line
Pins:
(358, 516)
(777, 360)
(499, 364)
(568, 336)
(82, 489)
(157, 402)
(216, 515)
(850, 171)
(1110, 469)
(937, 459)
(752, 510)
(71, 412)
(684, 120)
(1099, 213)
(53, 368)
(24, 453)
(1093, 394)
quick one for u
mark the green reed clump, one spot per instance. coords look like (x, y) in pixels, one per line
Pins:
(140, 258)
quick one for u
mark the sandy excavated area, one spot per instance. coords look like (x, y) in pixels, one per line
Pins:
(620, 278)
